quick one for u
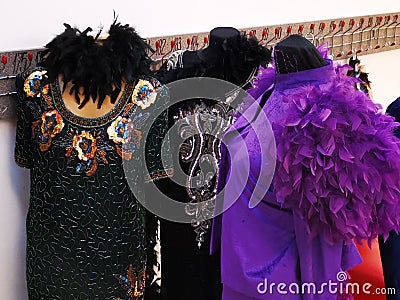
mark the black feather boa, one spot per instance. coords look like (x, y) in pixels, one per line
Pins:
(97, 65)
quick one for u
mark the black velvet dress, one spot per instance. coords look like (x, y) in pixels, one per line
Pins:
(85, 227)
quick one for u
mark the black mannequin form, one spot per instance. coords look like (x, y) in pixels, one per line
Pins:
(188, 271)
(296, 54)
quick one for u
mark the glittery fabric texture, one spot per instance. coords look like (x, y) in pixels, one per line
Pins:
(85, 228)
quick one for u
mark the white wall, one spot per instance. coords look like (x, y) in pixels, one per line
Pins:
(32, 24)
(29, 24)
(382, 68)
(14, 195)
(383, 73)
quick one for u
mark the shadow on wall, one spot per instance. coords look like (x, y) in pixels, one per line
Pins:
(14, 199)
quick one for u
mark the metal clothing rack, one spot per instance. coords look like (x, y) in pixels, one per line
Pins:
(345, 37)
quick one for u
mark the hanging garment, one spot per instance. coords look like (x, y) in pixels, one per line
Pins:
(331, 141)
(86, 235)
(188, 270)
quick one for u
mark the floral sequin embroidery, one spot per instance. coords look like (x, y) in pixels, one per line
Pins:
(134, 285)
(85, 146)
(51, 125)
(34, 84)
(127, 134)
(119, 130)
(144, 94)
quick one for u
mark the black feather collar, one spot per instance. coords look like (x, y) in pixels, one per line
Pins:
(97, 65)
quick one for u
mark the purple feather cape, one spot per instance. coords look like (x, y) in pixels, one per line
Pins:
(338, 161)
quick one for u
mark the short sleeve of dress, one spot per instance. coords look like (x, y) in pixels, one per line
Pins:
(23, 142)
(158, 156)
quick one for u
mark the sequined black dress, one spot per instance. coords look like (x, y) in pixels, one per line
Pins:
(85, 227)
(188, 270)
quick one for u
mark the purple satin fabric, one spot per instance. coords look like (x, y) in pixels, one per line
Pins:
(268, 242)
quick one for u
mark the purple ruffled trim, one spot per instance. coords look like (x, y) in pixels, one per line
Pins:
(338, 161)
(263, 82)
(324, 50)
